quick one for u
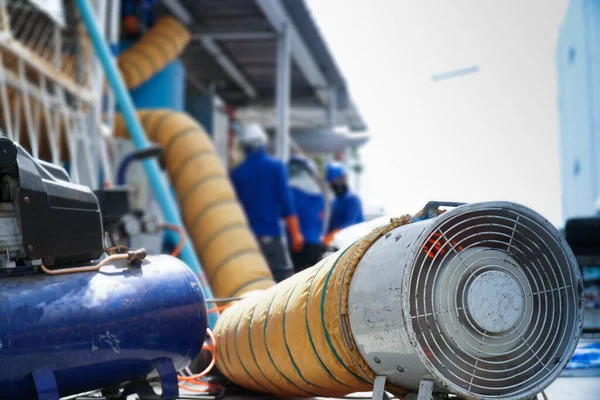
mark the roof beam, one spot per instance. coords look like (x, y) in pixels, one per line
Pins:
(233, 35)
(179, 11)
(228, 66)
(196, 84)
(213, 48)
(226, 28)
(279, 19)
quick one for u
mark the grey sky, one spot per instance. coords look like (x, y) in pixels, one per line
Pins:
(488, 136)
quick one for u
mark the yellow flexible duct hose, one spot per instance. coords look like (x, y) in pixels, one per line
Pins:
(289, 341)
(157, 48)
(228, 251)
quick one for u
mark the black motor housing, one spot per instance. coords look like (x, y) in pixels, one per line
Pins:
(61, 222)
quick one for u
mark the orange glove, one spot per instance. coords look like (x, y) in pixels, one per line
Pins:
(293, 227)
(329, 237)
(131, 25)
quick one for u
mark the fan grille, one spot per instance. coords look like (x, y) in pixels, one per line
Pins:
(494, 301)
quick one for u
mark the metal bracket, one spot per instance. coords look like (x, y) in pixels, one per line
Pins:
(379, 388)
(425, 390)
(45, 384)
(168, 380)
(430, 209)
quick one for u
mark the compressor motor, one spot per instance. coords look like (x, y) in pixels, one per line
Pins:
(45, 219)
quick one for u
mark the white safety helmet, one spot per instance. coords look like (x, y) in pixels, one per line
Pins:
(253, 135)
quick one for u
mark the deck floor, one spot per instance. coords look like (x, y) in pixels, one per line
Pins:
(564, 388)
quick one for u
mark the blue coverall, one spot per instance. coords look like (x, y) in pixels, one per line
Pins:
(131, 7)
(346, 210)
(311, 209)
(261, 183)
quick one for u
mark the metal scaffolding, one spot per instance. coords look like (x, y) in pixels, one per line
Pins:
(51, 87)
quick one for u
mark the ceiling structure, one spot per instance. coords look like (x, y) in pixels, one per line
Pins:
(233, 53)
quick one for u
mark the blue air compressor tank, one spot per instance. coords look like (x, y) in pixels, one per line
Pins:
(98, 329)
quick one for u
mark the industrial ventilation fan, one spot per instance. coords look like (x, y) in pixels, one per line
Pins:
(483, 302)
(490, 304)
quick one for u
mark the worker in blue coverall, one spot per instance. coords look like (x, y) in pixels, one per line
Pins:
(261, 183)
(310, 204)
(346, 208)
(137, 16)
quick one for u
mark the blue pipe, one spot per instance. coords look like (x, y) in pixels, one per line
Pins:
(121, 178)
(159, 186)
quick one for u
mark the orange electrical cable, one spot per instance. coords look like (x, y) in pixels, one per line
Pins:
(218, 309)
(206, 387)
(181, 232)
(194, 378)
(204, 390)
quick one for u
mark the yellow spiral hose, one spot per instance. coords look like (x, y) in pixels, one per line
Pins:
(292, 339)
(228, 251)
(158, 47)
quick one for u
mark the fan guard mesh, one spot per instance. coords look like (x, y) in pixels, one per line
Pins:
(494, 301)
